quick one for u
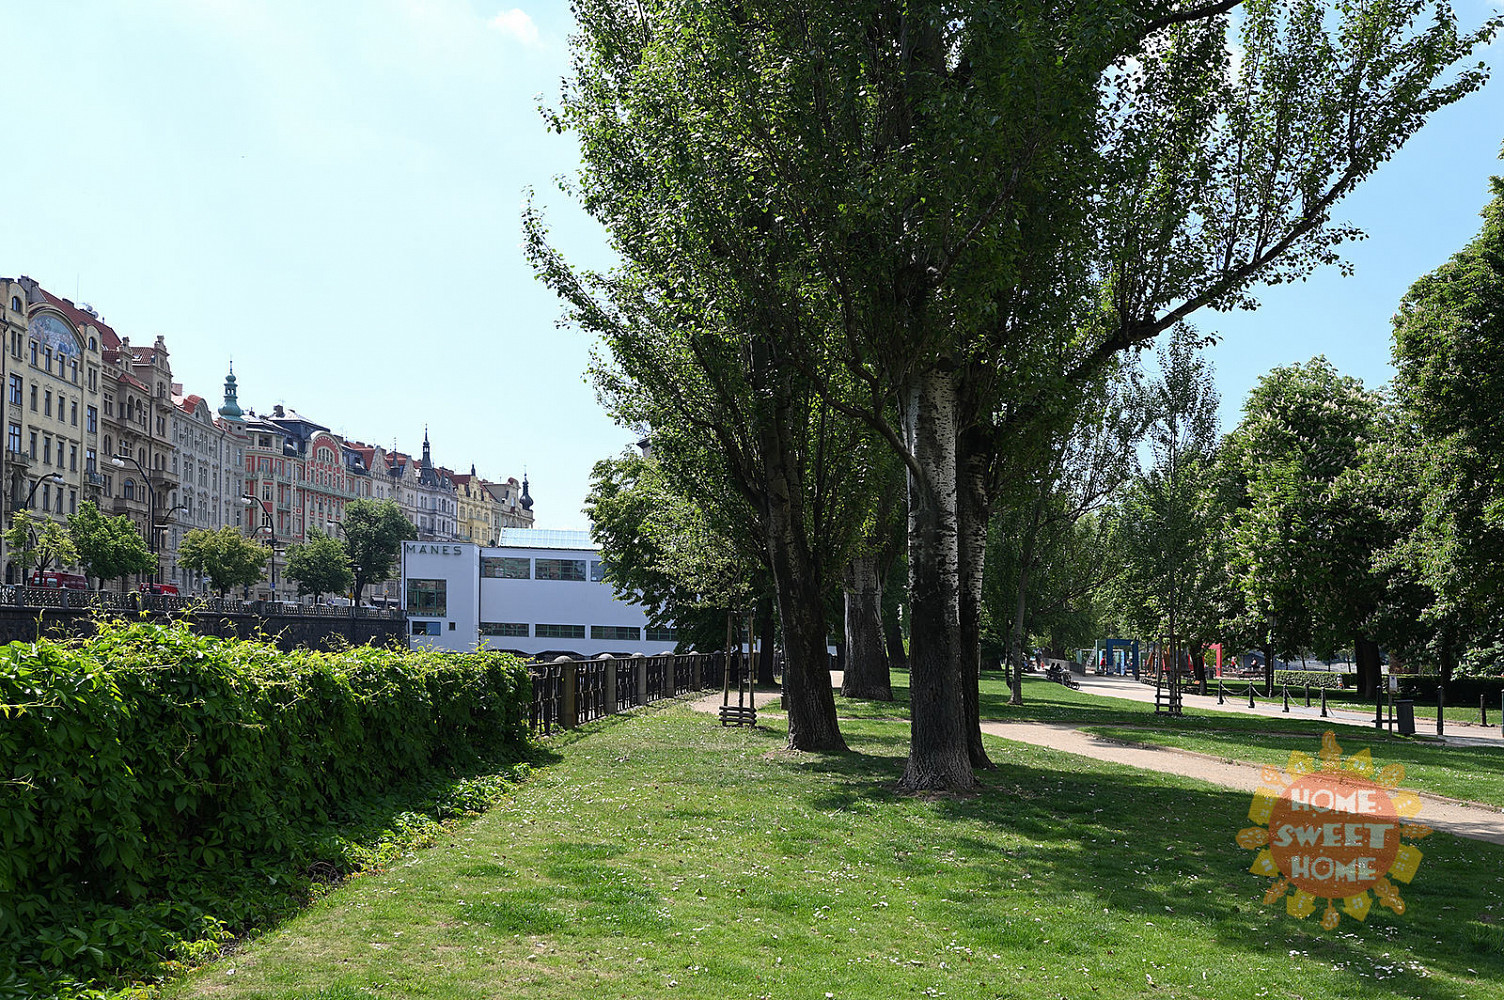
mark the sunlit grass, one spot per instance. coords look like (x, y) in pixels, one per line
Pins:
(665, 855)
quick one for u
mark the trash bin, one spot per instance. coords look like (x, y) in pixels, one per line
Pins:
(1404, 716)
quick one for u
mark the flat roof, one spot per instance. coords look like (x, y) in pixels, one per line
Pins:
(546, 538)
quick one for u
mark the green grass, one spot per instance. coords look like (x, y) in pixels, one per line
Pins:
(662, 854)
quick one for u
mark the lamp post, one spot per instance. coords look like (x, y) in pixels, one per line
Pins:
(167, 523)
(151, 511)
(271, 532)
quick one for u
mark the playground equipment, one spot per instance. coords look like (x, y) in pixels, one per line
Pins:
(1116, 656)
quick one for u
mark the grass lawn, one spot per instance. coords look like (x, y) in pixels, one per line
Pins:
(660, 854)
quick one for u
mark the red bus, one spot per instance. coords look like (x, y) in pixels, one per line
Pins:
(55, 580)
(160, 588)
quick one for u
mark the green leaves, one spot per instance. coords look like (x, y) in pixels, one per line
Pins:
(108, 547)
(225, 556)
(321, 566)
(374, 531)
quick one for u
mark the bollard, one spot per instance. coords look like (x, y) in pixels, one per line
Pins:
(1378, 709)
(1308, 695)
(1323, 703)
(1440, 697)
(1483, 710)
(1250, 694)
(1220, 699)
(1284, 689)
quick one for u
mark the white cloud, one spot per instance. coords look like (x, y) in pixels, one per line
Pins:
(516, 24)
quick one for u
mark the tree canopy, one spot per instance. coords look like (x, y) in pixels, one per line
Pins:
(320, 566)
(108, 546)
(374, 533)
(225, 556)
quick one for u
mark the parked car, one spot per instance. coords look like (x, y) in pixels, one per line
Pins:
(160, 588)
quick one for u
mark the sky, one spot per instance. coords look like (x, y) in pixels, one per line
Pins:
(328, 196)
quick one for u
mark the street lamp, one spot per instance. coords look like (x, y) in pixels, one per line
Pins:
(151, 511)
(166, 523)
(271, 532)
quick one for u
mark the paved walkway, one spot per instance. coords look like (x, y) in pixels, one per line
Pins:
(1476, 822)
(1457, 733)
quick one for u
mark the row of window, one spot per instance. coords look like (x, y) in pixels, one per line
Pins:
(520, 568)
(519, 630)
(41, 401)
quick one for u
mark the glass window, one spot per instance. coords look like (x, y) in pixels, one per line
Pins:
(512, 629)
(33, 353)
(427, 628)
(92, 417)
(505, 568)
(47, 450)
(33, 443)
(597, 571)
(47, 402)
(619, 632)
(662, 633)
(91, 460)
(560, 569)
(13, 439)
(73, 413)
(559, 631)
(428, 597)
(15, 389)
(33, 399)
(72, 458)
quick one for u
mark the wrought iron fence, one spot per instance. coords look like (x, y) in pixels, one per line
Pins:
(135, 601)
(567, 693)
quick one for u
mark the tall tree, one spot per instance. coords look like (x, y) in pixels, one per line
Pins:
(1449, 384)
(36, 541)
(1303, 426)
(225, 556)
(108, 547)
(374, 533)
(320, 566)
(911, 209)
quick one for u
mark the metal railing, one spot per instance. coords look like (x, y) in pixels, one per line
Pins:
(568, 693)
(135, 601)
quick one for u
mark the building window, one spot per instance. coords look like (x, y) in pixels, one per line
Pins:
(516, 630)
(428, 597)
(559, 631)
(73, 370)
(33, 354)
(427, 628)
(15, 389)
(505, 568)
(93, 377)
(33, 443)
(47, 358)
(73, 501)
(47, 402)
(662, 633)
(46, 496)
(13, 439)
(625, 633)
(47, 450)
(73, 413)
(109, 405)
(91, 460)
(597, 571)
(560, 569)
(34, 399)
(72, 458)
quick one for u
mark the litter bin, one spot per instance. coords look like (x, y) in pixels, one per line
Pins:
(1404, 716)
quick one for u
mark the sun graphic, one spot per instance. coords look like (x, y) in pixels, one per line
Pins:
(1333, 828)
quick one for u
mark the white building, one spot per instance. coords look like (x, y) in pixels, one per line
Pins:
(538, 592)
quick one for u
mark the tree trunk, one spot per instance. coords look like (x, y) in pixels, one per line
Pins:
(1370, 671)
(973, 510)
(1269, 672)
(893, 639)
(1198, 664)
(938, 757)
(806, 672)
(866, 673)
(765, 643)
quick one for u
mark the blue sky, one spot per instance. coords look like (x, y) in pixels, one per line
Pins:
(328, 194)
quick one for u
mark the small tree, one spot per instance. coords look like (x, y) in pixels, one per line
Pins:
(374, 533)
(226, 556)
(37, 541)
(321, 566)
(108, 547)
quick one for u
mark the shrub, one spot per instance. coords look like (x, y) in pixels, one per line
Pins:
(1462, 690)
(151, 779)
(1315, 678)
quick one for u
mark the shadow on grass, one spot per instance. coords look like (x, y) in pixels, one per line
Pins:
(1140, 843)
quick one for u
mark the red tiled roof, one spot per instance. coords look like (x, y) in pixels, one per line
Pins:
(189, 403)
(81, 319)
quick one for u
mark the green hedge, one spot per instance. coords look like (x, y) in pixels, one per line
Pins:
(1462, 691)
(1315, 678)
(147, 763)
